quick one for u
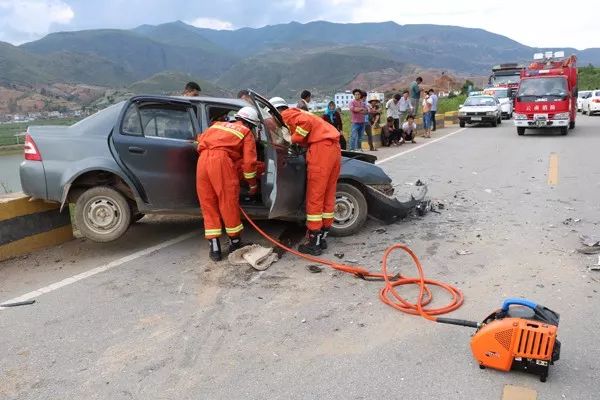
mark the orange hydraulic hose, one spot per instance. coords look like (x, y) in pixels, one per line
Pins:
(388, 293)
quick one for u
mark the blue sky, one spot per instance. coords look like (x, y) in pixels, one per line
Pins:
(532, 23)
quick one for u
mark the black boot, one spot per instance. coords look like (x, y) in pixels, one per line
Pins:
(235, 243)
(312, 245)
(324, 234)
(215, 249)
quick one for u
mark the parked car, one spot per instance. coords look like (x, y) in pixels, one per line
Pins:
(591, 103)
(480, 109)
(580, 97)
(506, 103)
(139, 157)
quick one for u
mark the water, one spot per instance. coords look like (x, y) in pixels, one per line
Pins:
(9, 173)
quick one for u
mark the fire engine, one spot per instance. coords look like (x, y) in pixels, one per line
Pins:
(547, 93)
(507, 75)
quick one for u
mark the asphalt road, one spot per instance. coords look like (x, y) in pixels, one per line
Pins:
(167, 324)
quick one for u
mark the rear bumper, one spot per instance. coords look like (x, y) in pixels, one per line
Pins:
(33, 179)
(389, 209)
(552, 123)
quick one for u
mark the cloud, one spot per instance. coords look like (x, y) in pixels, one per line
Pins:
(24, 20)
(211, 23)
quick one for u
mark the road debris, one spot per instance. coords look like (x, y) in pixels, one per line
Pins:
(258, 257)
(315, 269)
(463, 252)
(17, 304)
(571, 221)
(380, 230)
(589, 250)
(339, 255)
(595, 267)
(488, 191)
(590, 240)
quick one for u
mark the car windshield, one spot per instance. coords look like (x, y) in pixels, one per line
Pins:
(543, 87)
(597, 94)
(480, 102)
(499, 93)
(505, 79)
(583, 94)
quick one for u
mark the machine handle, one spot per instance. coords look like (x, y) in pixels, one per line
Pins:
(518, 301)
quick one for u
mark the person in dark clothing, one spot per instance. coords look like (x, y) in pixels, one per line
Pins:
(304, 100)
(333, 116)
(390, 134)
(373, 112)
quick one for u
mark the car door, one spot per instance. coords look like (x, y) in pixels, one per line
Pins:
(155, 144)
(284, 182)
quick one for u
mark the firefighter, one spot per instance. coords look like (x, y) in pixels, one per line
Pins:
(323, 169)
(217, 182)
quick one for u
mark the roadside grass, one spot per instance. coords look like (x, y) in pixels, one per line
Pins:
(9, 130)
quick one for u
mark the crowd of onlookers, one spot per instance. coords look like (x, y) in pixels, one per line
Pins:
(366, 114)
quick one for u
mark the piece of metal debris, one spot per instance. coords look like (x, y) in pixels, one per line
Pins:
(463, 252)
(380, 230)
(589, 250)
(19, 303)
(315, 269)
(590, 240)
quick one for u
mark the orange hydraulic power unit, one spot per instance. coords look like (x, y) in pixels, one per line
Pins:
(519, 336)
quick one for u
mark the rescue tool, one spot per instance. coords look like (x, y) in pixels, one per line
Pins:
(519, 336)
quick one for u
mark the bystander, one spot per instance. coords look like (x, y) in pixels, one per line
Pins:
(357, 118)
(393, 109)
(304, 100)
(415, 94)
(405, 106)
(409, 129)
(333, 116)
(390, 134)
(434, 102)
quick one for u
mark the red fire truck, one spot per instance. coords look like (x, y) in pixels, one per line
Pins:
(507, 75)
(547, 93)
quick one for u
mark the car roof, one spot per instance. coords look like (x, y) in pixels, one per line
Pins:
(482, 96)
(197, 99)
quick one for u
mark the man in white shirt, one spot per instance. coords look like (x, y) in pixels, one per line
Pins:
(393, 109)
(409, 129)
(405, 106)
(434, 102)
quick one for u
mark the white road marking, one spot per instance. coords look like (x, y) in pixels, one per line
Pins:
(97, 270)
(419, 147)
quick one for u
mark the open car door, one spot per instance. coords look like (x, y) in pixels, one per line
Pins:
(284, 181)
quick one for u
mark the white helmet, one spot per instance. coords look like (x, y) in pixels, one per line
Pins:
(278, 102)
(248, 114)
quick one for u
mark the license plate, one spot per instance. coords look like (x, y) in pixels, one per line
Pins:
(540, 123)
(475, 118)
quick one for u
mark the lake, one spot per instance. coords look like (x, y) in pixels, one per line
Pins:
(9, 172)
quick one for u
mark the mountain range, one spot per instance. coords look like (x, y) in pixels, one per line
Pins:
(279, 59)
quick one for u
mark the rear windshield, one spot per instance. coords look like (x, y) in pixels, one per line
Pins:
(543, 87)
(505, 79)
(480, 101)
(499, 93)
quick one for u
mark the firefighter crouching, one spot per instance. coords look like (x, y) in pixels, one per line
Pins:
(221, 147)
(323, 169)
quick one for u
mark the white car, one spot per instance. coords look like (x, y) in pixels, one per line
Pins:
(591, 104)
(582, 95)
(480, 109)
(505, 102)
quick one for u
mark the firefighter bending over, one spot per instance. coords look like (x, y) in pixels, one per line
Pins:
(323, 169)
(217, 182)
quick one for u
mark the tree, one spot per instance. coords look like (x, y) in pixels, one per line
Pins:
(467, 87)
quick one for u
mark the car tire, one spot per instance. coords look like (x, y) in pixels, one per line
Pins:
(583, 112)
(350, 210)
(520, 131)
(495, 123)
(564, 130)
(572, 125)
(461, 124)
(102, 214)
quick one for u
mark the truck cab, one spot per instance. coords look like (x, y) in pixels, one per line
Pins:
(547, 94)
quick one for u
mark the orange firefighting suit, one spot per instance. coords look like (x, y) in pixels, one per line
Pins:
(323, 164)
(217, 183)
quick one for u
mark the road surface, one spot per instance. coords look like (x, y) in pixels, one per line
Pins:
(165, 323)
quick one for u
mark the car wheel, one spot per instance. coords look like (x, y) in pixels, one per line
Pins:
(350, 210)
(520, 131)
(102, 214)
(583, 112)
(495, 123)
(572, 125)
(564, 130)
(461, 124)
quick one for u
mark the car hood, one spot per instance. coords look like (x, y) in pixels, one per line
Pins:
(363, 172)
(477, 109)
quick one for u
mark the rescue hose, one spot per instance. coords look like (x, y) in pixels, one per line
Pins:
(388, 293)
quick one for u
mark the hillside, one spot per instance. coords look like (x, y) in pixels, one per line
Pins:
(588, 78)
(171, 83)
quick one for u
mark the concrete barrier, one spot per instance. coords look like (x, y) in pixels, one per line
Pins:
(27, 225)
(451, 118)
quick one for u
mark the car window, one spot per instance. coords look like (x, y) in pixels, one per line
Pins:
(220, 113)
(131, 123)
(277, 131)
(596, 94)
(170, 122)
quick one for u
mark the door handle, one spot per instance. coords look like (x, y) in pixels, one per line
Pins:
(136, 150)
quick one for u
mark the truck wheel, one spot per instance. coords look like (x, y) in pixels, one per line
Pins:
(350, 210)
(520, 131)
(461, 124)
(564, 130)
(572, 125)
(102, 214)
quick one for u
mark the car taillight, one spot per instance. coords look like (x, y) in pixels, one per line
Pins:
(30, 149)
(596, 101)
